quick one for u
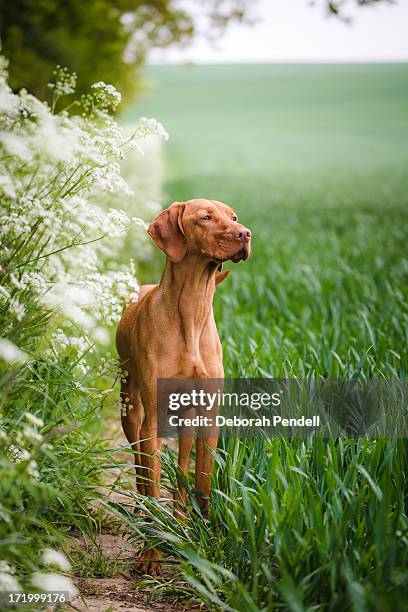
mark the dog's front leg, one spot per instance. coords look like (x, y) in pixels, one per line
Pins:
(186, 436)
(206, 442)
(151, 448)
(132, 419)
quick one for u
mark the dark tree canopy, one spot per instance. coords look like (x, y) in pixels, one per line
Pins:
(100, 39)
(107, 40)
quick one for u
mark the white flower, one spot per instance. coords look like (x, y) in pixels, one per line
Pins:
(31, 418)
(54, 142)
(4, 293)
(65, 82)
(8, 582)
(31, 434)
(32, 469)
(6, 568)
(101, 335)
(17, 455)
(53, 582)
(34, 280)
(147, 126)
(109, 93)
(133, 296)
(16, 282)
(16, 145)
(139, 222)
(9, 102)
(10, 353)
(17, 309)
(66, 209)
(7, 186)
(55, 558)
(4, 516)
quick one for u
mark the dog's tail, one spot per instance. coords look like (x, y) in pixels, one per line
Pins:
(221, 276)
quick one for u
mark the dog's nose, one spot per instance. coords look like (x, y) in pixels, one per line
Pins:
(245, 234)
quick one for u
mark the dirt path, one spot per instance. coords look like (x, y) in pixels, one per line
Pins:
(121, 592)
(107, 581)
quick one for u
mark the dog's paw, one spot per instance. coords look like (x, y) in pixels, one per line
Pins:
(149, 562)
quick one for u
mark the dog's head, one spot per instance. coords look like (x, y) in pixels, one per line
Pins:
(207, 227)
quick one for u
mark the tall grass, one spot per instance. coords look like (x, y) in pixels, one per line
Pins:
(313, 160)
(296, 525)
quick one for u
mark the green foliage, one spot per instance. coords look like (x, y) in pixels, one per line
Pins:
(91, 561)
(101, 41)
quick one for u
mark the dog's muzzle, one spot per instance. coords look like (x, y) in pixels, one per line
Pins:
(245, 236)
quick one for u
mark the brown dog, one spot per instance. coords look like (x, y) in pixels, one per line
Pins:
(170, 333)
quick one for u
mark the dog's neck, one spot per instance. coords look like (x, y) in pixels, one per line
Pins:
(190, 284)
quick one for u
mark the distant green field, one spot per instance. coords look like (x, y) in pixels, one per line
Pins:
(279, 124)
(314, 159)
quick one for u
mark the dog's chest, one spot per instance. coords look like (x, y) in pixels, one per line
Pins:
(184, 346)
(200, 365)
(196, 358)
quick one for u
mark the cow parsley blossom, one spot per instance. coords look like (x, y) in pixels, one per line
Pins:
(60, 185)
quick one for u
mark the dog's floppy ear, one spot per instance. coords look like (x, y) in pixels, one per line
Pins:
(166, 231)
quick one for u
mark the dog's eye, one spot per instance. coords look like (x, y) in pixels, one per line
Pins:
(206, 218)
(235, 218)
